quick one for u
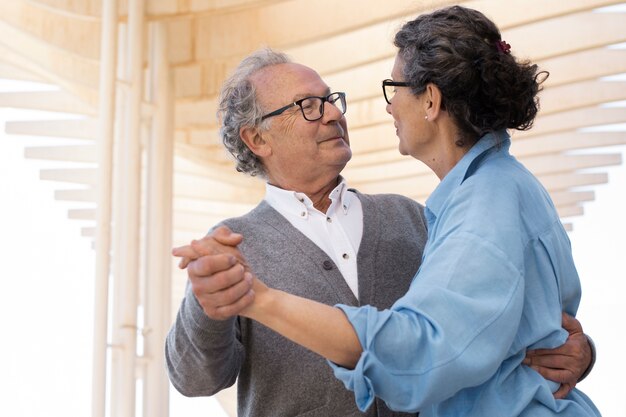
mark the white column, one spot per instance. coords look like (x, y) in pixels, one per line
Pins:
(121, 118)
(158, 233)
(128, 222)
(106, 113)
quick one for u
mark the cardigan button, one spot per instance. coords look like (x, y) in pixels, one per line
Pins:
(328, 265)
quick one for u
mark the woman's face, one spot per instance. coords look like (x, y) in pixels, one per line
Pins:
(409, 112)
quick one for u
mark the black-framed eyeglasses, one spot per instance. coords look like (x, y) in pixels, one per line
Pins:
(313, 107)
(389, 88)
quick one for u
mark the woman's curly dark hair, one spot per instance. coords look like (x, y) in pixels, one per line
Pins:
(484, 88)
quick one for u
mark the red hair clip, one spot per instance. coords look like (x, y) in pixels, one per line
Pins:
(503, 47)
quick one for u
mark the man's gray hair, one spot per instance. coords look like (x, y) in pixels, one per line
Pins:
(238, 107)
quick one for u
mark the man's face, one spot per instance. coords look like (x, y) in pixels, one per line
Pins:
(302, 153)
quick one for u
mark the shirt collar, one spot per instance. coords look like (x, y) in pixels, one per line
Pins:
(295, 201)
(464, 169)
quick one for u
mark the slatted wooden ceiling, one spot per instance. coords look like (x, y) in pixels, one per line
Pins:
(349, 43)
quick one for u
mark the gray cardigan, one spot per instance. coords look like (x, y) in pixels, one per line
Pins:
(275, 376)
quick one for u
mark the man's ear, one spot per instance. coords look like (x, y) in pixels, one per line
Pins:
(433, 101)
(254, 140)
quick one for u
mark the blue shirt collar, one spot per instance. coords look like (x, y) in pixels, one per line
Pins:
(464, 169)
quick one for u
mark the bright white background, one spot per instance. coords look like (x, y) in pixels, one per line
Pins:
(46, 292)
(46, 289)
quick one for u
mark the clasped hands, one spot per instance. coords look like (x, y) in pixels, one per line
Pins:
(225, 287)
(219, 275)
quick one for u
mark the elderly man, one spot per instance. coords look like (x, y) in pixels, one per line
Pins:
(311, 236)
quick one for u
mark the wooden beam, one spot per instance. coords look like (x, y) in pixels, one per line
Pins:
(565, 141)
(583, 65)
(570, 211)
(75, 153)
(199, 221)
(566, 180)
(327, 55)
(573, 119)
(366, 113)
(12, 72)
(86, 195)
(74, 129)
(377, 157)
(195, 161)
(194, 113)
(82, 214)
(544, 164)
(580, 95)
(426, 183)
(567, 198)
(362, 82)
(85, 176)
(164, 8)
(184, 164)
(221, 6)
(73, 7)
(206, 188)
(212, 207)
(55, 101)
(207, 137)
(380, 137)
(407, 168)
(180, 32)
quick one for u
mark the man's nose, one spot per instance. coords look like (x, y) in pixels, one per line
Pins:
(331, 112)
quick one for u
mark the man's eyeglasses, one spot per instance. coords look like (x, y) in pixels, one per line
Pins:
(389, 88)
(313, 107)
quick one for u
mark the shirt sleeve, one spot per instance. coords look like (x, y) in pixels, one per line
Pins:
(451, 330)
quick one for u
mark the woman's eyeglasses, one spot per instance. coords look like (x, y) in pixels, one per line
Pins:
(389, 88)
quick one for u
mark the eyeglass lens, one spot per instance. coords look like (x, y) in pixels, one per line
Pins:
(313, 107)
(389, 91)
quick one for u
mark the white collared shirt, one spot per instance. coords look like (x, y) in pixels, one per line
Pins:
(337, 232)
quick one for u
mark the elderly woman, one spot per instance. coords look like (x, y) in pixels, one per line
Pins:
(497, 270)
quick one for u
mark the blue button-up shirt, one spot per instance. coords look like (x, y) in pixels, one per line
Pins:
(496, 274)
